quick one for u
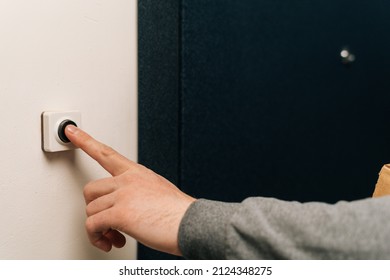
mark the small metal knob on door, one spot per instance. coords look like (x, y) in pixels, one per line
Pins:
(347, 58)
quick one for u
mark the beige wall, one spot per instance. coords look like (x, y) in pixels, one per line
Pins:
(61, 55)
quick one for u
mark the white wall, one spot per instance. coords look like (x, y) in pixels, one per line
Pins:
(60, 55)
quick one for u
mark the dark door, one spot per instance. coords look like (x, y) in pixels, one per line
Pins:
(275, 98)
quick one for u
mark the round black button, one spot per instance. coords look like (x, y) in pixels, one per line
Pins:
(61, 130)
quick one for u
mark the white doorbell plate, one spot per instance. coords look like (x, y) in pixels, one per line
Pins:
(53, 125)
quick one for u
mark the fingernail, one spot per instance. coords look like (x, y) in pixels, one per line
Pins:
(71, 129)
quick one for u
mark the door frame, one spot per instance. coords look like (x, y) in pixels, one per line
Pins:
(159, 93)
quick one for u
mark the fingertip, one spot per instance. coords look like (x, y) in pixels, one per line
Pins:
(71, 130)
(118, 240)
(103, 244)
(77, 136)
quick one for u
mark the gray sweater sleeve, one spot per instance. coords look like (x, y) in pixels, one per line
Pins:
(268, 228)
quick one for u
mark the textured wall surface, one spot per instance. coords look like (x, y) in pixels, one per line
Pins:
(61, 55)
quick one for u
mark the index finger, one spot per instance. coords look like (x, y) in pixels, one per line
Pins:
(107, 157)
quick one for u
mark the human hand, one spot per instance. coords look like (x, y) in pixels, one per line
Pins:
(135, 201)
(383, 185)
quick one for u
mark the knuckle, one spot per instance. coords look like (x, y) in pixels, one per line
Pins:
(107, 151)
(129, 178)
(89, 209)
(145, 170)
(87, 191)
(90, 224)
(124, 180)
(121, 195)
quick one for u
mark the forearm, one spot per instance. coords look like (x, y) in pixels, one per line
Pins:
(266, 228)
